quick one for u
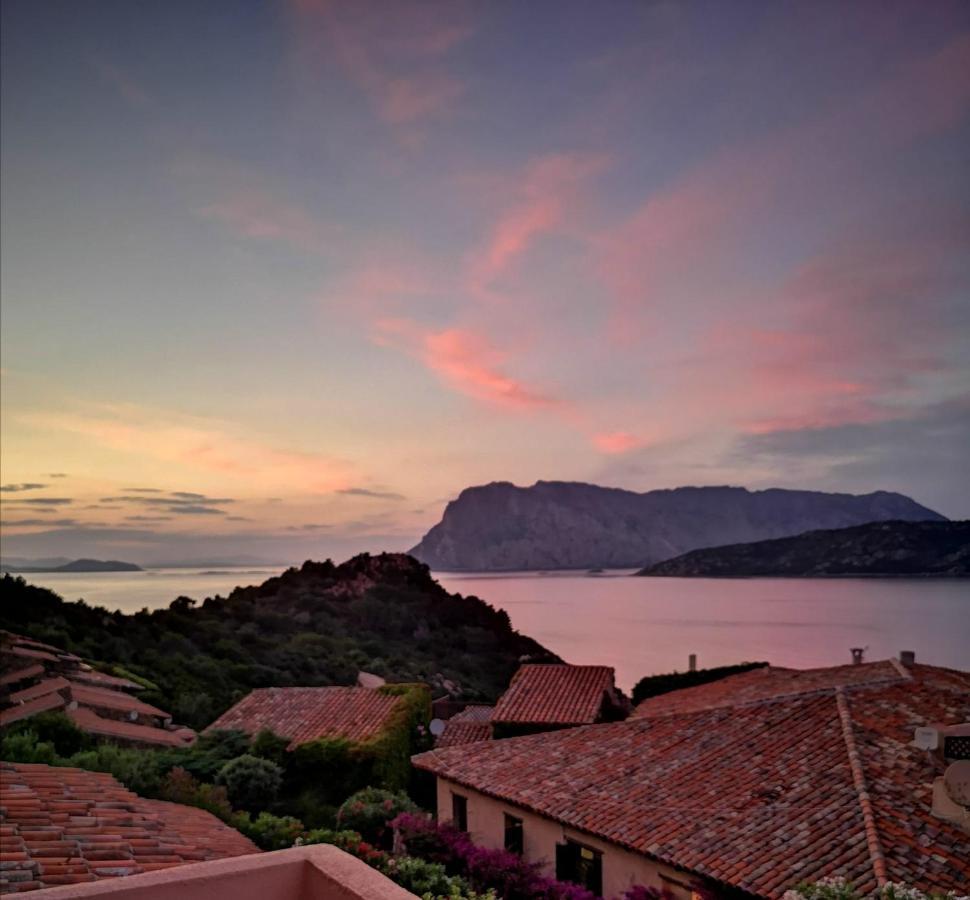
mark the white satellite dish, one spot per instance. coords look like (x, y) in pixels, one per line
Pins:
(436, 727)
(956, 780)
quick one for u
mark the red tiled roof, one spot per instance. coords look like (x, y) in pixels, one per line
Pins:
(473, 723)
(115, 700)
(47, 686)
(762, 684)
(103, 679)
(44, 703)
(474, 713)
(459, 733)
(306, 713)
(88, 720)
(65, 826)
(554, 695)
(760, 796)
(21, 674)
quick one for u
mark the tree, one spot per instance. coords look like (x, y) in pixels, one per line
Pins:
(252, 783)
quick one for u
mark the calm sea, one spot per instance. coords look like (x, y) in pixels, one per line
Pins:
(648, 625)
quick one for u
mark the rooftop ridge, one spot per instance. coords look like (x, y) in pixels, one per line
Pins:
(859, 780)
(727, 703)
(899, 667)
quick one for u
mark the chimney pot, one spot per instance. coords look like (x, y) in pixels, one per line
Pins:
(857, 655)
(692, 662)
(907, 658)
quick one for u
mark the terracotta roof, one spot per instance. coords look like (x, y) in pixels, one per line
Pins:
(554, 695)
(47, 686)
(474, 713)
(88, 720)
(306, 713)
(103, 679)
(44, 703)
(65, 826)
(86, 695)
(16, 675)
(762, 684)
(458, 733)
(760, 796)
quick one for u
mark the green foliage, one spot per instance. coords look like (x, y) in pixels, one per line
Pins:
(267, 831)
(24, 747)
(315, 625)
(270, 746)
(838, 888)
(252, 783)
(180, 786)
(56, 729)
(370, 810)
(424, 878)
(654, 685)
(141, 771)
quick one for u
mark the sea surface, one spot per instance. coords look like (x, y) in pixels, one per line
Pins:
(643, 626)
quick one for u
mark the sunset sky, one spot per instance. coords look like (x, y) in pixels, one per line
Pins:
(280, 279)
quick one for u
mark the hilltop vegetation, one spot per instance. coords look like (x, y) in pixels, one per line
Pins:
(315, 625)
(879, 548)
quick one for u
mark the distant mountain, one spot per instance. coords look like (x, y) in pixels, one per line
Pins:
(570, 525)
(879, 548)
(76, 565)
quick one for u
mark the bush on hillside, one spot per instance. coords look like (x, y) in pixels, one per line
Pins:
(370, 811)
(251, 782)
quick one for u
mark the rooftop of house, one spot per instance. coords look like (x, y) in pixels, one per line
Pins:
(759, 796)
(473, 723)
(764, 683)
(49, 678)
(554, 695)
(63, 826)
(305, 714)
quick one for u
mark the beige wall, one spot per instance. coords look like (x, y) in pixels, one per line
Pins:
(621, 868)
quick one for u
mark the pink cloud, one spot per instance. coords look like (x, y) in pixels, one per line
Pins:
(543, 194)
(467, 362)
(615, 442)
(393, 53)
(694, 226)
(260, 215)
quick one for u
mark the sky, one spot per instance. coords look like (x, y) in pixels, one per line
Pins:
(281, 279)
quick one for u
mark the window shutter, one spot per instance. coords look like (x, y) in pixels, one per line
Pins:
(595, 883)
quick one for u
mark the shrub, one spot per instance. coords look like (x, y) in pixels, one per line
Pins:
(180, 786)
(422, 877)
(270, 746)
(56, 729)
(267, 831)
(370, 811)
(23, 747)
(349, 841)
(251, 782)
(140, 771)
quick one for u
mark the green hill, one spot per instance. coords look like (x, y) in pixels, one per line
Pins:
(315, 625)
(879, 548)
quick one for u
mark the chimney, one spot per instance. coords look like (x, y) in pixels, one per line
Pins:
(692, 662)
(907, 658)
(857, 655)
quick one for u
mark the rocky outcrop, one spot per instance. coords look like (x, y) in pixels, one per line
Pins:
(570, 525)
(880, 548)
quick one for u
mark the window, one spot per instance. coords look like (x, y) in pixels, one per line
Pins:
(513, 834)
(459, 812)
(580, 864)
(678, 889)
